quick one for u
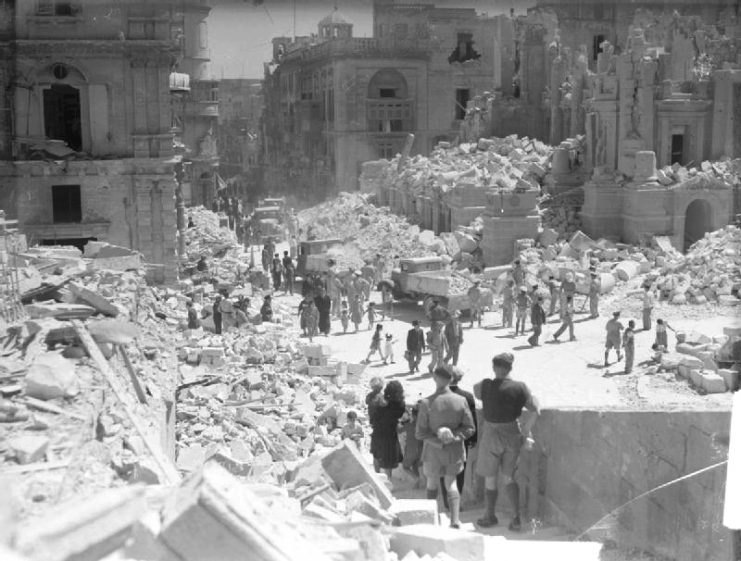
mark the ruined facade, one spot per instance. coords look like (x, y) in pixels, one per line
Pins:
(651, 120)
(334, 101)
(87, 151)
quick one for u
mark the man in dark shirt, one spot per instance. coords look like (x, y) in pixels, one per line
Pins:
(537, 318)
(288, 273)
(470, 442)
(502, 436)
(415, 346)
(444, 423)
(217, 315)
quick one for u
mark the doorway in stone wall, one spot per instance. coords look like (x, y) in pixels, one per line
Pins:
(697, 221)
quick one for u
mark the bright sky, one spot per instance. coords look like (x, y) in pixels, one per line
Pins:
(240, 34)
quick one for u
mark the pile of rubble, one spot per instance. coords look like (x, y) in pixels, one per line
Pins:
(709, 272)
(367, 230)
(209, 234)
(561, 212)
(509, 163)
(709, 175)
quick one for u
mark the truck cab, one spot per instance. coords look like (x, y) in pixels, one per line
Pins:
(312, 255)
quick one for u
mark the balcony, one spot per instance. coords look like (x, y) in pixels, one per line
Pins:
(386, 116)
(202, 109)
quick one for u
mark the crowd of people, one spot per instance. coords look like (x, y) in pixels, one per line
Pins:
(440, 431)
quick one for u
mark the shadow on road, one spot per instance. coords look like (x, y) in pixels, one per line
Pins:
(522, 347)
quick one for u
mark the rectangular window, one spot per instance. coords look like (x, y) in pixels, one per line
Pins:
(62, 115)
(401, 29)
(66, 204)
(677, 156)
(462, 95)
(386, 151)
(386, 92)
(597, 45)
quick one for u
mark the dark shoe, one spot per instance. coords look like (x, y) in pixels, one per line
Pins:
(515, 525)
(572, 339)
(455, 526)
(487, 522)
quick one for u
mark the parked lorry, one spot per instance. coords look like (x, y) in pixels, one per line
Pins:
(268, 222)
(313, 256)
(426, 279)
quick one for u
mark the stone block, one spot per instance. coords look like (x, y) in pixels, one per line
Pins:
(213, 356)
(730, 377)
(415, 511)
(370, 539)
(712, 382)
(85, 296)
(213, 516)
(88, 528)
(687, 349)
(358, 502)
(426, 539)
(708, 360)
(696, 378)
(346, 467)
(29, 448)
(50, 377)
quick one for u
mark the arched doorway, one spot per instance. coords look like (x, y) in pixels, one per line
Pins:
(698, 221)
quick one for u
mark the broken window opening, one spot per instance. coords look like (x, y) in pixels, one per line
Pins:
(62, 115)
(79, 243)
(464, 50)
(66, 203)
(597, 45)
(677, 155)
(462, 95)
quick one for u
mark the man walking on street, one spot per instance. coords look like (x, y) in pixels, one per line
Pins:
(537, 318)
(521, 306)
(454, 337)
(443, 425)
(415, 346)
(474, 298)
(289, 273)
(502, 436)
(567, 320)
(614, 329)
(437, 345)
(508, 302)
(629, 344)
(648, 306)
(277, 270)
(594, 292)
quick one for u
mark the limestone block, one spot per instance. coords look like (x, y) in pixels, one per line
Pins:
(688, 349)
(627, 270)
(730, 377)
(346, 467)
(683, 371)
(415, 511)
(696, 378)
(426, 539)
(691, 362)
(708, 360)
(712, 382)
(29, 448)
(52, 376)
(213, 356)
(679, 299)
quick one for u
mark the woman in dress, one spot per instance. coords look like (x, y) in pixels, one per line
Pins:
(384, 420)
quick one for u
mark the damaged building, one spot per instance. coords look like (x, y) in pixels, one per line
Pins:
(334, 100)
(87, 151)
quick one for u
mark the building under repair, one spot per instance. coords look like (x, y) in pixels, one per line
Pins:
(87, 151)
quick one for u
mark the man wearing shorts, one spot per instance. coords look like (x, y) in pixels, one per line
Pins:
(444, 423)
(614, 328)
(502, 436)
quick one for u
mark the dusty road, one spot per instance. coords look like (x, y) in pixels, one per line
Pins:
(562, 375)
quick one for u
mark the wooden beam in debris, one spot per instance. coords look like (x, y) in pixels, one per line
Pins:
(167, 468)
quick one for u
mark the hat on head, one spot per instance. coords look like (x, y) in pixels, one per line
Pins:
(523, 289)
(388, 336)
(615, 314)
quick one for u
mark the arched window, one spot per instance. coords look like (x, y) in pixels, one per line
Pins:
(389, 106)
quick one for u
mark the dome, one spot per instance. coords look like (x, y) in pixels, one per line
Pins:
(335, 18)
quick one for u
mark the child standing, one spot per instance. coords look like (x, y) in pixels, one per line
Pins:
(629, 346)
(375, 346)
(371, 312)
(344, 316)
(312, 319)
(388, 349)
(352, 430)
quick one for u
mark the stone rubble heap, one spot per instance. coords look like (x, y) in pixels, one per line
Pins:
(209, 236)
(367, 230)
(561, 212)
(510, 163)
(709, 272)
(707, 176)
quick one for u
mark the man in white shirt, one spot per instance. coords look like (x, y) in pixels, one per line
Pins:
(648, 306)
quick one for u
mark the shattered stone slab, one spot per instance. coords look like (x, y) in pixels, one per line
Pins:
(347, 469)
